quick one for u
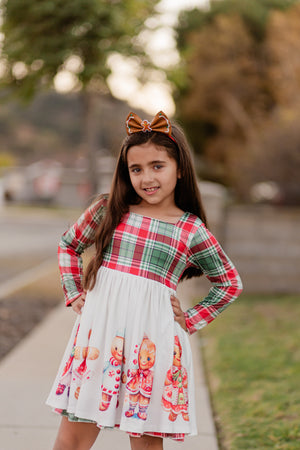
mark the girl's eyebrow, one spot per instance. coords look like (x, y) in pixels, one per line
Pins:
(132, 166)
(150, 163)
(157, 162)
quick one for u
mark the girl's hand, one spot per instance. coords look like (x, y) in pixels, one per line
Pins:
(78, 303)
(178, 313)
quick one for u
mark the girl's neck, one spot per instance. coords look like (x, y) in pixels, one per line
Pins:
(171, 214)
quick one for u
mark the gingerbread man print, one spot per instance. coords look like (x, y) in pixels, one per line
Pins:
(175, 395)
(112, 373)
(139, 386)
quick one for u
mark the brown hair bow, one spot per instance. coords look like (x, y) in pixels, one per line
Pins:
(160, 122)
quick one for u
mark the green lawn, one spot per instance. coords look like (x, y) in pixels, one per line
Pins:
(252, 359)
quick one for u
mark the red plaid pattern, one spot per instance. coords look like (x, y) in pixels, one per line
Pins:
(207, 254)
(73, 243)
(155, 250)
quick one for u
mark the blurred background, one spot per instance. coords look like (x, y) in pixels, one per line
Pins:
(229, 72)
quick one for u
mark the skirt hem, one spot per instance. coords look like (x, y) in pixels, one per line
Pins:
(73, 418)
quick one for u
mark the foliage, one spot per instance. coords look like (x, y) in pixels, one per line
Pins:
(253, 361)
(231, 83)
(41, 37)
(6, 159)
(254, 14)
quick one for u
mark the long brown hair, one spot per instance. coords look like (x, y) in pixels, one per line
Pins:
(187, 195)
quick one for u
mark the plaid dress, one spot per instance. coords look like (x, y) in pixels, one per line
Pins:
(128, 364)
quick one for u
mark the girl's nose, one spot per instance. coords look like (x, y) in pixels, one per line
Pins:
(148, 176)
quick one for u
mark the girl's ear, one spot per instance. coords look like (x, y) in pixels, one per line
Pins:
(178, 173)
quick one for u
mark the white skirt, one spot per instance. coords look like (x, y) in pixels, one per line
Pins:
(128, 364)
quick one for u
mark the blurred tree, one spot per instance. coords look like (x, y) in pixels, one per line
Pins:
(254, 14)
(277, 152)
(284, 56)
(224, 95)
(276, 158)
(223, 91)
(50, 38)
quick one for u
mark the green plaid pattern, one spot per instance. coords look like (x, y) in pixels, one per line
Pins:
(73, 243)
(155, 250)
(148, 248)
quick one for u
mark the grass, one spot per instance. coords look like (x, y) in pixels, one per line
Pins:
(252, 360)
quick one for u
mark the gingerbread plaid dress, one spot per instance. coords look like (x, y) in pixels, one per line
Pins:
(128, 364)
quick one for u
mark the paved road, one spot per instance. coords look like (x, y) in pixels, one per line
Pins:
(28, 237)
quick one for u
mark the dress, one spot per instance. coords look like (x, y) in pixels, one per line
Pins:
(128, 364)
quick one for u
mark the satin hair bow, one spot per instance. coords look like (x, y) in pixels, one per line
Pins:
(160, 123)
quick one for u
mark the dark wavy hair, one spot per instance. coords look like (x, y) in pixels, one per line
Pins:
(122, 194)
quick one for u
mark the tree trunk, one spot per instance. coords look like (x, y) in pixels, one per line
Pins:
(89, 100)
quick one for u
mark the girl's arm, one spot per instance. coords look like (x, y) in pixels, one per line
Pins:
(207, 254)
(72, 244)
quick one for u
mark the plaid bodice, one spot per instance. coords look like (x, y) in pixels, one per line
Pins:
(155, 250)
(151, 248)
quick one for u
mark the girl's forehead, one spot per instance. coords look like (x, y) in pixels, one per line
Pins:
(147, 151)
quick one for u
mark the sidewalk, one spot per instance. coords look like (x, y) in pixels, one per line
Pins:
(26, 376)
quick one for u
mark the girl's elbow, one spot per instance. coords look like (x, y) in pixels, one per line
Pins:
(68, 244)
(234, 285)
(63, 244)
(238, 285)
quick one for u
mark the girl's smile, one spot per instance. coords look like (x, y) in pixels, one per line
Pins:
(153, 175)
(151, 190)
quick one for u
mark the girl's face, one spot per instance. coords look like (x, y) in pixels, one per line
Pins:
(153, 174)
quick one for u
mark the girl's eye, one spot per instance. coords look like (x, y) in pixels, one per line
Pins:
(136, 170)
(157, 166)
(148, 359)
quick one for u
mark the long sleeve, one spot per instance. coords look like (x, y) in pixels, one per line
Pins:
(206, 253)
(71, 246)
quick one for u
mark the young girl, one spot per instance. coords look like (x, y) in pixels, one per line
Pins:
(128, 363)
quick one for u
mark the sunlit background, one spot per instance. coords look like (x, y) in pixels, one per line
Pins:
(216, 67)
(229, 72)
(160, 44)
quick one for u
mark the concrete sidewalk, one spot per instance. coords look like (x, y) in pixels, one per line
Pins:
(27, 374)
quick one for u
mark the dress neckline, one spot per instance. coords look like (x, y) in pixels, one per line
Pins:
(159, 220)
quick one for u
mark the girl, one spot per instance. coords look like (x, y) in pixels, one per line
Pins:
(128, 362)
